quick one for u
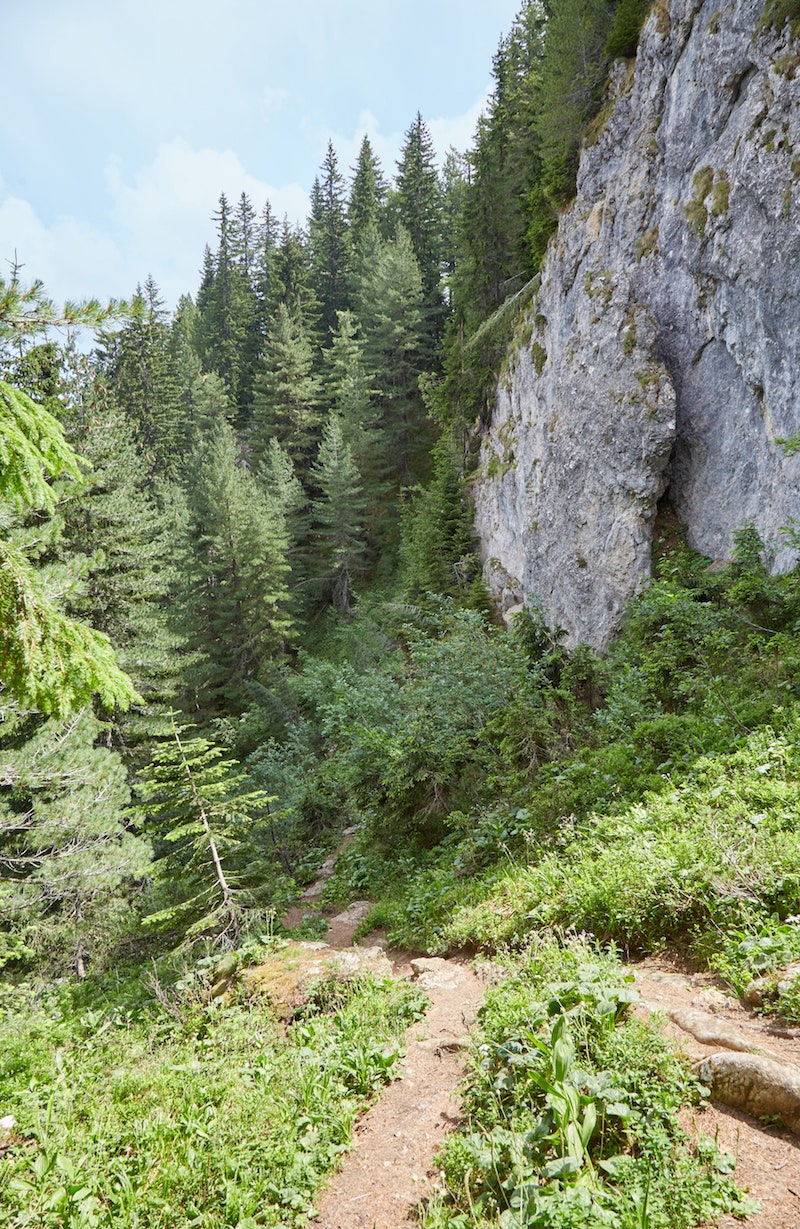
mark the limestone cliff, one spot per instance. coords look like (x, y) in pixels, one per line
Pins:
(662, 352)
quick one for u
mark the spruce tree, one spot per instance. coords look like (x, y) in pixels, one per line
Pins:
(67, 848)
(339, 516)
(392, 306)
(285, 493)
(266, 280)
(200, 810)
(234, 575)
(417, 203)
(226, 304)
(288, 392)
(368, 193)
(292, 270)
(48, 660)
(119, 524)
(574, 67)
(139, 367)
(350, 395)
(330, 243)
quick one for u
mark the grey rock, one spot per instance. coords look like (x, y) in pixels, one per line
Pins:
(664, 348)
(788, 979)
(711, 1030)
(758, 1085)
(434, 973)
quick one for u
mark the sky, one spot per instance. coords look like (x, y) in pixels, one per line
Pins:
(122, 121)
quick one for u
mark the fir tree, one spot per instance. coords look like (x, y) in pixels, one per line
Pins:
(288, 392)
(339, 516)
(234, 571)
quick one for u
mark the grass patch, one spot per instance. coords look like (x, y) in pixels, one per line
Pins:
(572, 1109)
(188, 1111)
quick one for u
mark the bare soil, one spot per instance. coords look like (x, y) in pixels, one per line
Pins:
(389, 1169)
(767, 1157)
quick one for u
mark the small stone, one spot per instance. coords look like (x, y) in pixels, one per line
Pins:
(712, 999)
(757, 992)
(7, 1124)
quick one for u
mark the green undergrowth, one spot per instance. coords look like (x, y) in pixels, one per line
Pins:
(571, 1111)
(710, 866)
(647, 797)
(179, 1110)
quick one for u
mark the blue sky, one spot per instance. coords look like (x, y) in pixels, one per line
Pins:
(121, 121)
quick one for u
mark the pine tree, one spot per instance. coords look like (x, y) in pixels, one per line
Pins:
(66, 846)
(330, 243)
(234, 572)
(200, 809)
(339, 516)
(288, 392)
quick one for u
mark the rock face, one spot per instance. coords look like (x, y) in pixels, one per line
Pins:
(661, 355)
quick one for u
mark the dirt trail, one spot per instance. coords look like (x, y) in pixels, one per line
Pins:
(389, 1168)
(767, 1158)
(395, 1143)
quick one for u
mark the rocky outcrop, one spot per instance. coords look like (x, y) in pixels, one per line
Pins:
(662, 353)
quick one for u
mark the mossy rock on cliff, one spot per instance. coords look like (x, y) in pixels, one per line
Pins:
(778, 12)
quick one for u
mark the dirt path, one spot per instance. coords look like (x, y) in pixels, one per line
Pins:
(389, 1168)
(767, 1158)
(395, 1143)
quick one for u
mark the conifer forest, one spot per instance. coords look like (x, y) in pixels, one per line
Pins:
(244, 629)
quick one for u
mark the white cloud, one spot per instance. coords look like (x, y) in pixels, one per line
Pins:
(160, 224)
(457, 132)
(72, 259)
(166, 213)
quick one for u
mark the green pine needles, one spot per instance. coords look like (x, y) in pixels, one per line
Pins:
(47, 660)
(199, 807)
